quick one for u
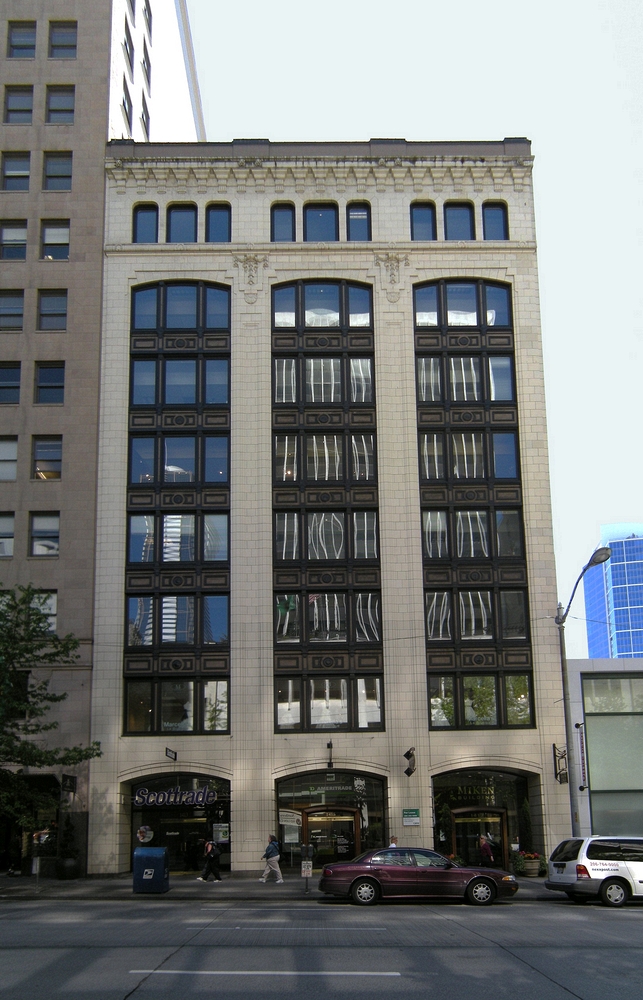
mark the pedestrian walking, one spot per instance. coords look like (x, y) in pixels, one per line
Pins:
(272, 860)
(211, 867)
(486, 854)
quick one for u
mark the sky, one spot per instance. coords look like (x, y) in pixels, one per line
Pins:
(568, 75)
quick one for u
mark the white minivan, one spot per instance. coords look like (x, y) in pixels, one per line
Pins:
(608, 867)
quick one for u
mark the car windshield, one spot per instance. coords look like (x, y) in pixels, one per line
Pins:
(567, 851)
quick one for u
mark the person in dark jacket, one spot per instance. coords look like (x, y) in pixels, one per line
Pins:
(272, 860)
(486, 854)
(211, 866)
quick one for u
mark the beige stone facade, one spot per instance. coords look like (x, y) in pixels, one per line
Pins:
(254, 756)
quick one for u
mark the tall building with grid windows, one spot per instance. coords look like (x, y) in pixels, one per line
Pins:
(73, 75)
(324, 532)
(614, 595)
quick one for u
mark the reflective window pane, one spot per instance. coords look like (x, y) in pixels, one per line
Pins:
(438, 615)
(178, 538)
(365, 534)
(6, 535)
(461, 304)
(47, 457)
(441, 702)
(177, 706)
(142, 460)
(518, 700)
(508, 533)
(358, 223)
(321, 305)
(422, 222)
(179, 460)
(472, 534)
(215, 706)
(426, 306)
(429, 380)
(327, 621)
(501, 383)
(468, 456)
(140, 621)
(139, 706)
(141, 538)
(180, 308)
(180, 382)
(476, 619)
(289, 703)
(45, 535)
(324, 453)
(610, 695)
(367, 617)
(498, 308)
(320, 224)
(480, 701)
(145, 309)
(361, 380)
(285, 380)
(215, 619)
(217, 224)
(215, 460)
(216, 381)
(177, 619)
(181, 224)
(217, 309)
(505, 460)
(458, 222)
(363, 457)
(328, 702)
(369, 702)
(286, 470)
(146, 222)
(215, 537)
(432, 456)
(326, 535)
(514, 614)
(143, 383)
(287, 618)
(359, 306)
(282, 220)
(464, 379)
(283, 304)
(434, 534)
(286, 536)
(323, 380)
(494, 222)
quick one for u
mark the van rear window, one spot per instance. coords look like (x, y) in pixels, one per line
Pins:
(567, 851)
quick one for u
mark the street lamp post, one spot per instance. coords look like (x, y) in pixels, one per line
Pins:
(601, 555)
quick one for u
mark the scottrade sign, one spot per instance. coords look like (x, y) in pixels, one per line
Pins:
(175, 797)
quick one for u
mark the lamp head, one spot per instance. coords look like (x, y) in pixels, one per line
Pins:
(601, 555)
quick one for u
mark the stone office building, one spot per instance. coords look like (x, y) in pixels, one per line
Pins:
(324, 529)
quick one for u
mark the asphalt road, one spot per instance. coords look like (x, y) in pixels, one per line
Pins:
(319, 948)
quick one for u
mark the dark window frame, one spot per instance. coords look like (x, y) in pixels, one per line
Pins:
(10, 387)
(39, 473)
(283, 206)
(17, 49)
(497, 206)
(351, 677)
(127, 106)
(460, 206)
(481, 323)
(181, 207)
(12, 179)
(353, 207)
(13, 249)
(49, 534)
(65, 115)
(145, 208)
(160, 325)
(500, 676)
(128, 45)
(12, 320)
(326, 206)
(50, 250)
(199, 645)
(40, 387)
(427, 206)
(58, 316)
(62, 158)
(155, 701)
(18, 115)
(223, 209)
(64, 50)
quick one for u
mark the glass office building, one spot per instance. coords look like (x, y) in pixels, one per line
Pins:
(614, 595)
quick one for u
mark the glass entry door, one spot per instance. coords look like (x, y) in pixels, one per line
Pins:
(470, 825)
(335, 835)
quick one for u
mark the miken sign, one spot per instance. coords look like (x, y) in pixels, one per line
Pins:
(175, 797)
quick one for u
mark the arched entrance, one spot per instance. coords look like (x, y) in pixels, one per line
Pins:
(339, 812)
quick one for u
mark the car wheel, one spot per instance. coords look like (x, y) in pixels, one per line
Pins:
(613, 892)
(365, 892)
(481, 892)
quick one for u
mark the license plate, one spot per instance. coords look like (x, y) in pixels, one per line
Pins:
(559, 868)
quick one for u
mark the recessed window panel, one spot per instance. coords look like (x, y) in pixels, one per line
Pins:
(426, 306)
(288, 703)
(15, 171)
(215, 706)
(505, 460)
(52, 309)
(422, 222)
(287, 536)
(61, 105)
(508, 533)
(472, 534)
(321, 305)
(283, 305)
(18, 105)
(45, 535)
(181, 224)
(287, 618)
(180, 308)
(458, 222)
(145, 224)
(63, 39)
(323, 380)
(8, 459)
(361, 380)
(217, 224)
(143, 383)
(369, 702)
(359, 307)
(326, 535)
(286, 454)
(432, 456)
(442, 702)
(324, 457)
(180, 382)
(47, 457)
(215, 537)
(12, 305)
(55, 240)
(215, 619)
(464, 379)
(141, 538)
(476, 619)
(518, 699)
(285, 380)
(468, 456)
(327, 618)
(145, 311)
(461, 304)
(178, 538)
(217, 309)
(328, 703)
(367, 617)
(358, 222)
(13, 240)
(501, 383)
(363, 458)
(177, 706)
(494, 222)
(321, 224)
(498, 305)
(215, 460)
(480, 701)
(282, 224)
(21, 41)
(429, 380)
(142, 460)
(50, 382)
(140, 621)
(10, 382)
(177, 619)
(365, 534)
(434, 534)
(217, 380)
(139, 707)
(179, 460)
(513, 614)
(438, 615)
(57, 172)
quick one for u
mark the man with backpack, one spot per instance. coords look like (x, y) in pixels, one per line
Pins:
(212, 854)
(272, 860)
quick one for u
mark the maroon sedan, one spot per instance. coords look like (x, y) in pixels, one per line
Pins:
(411, 872)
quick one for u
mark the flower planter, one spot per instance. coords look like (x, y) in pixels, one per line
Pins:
(531, 867)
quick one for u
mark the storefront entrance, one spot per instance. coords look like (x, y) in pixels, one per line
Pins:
(469, 825)
(335, 835)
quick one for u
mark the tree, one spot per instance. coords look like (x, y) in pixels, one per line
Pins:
(27, 643)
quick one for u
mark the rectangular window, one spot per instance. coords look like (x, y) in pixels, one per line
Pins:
(63, 39)
(128, 107)
(215, 537)
(321, 305)
(361, 380)
(10, 382)
(494, 222)
(518, 700)
(181, 224)
(128, 45)
(8, 459)
(369, 702)
(480, 701)
(324, 458)
(441, 700)
(15, 171)
(143, 383)
(326, 535)
(367, 617)
(321, 224)
(358, 223)
(13, 239)
(426, 306)
(359, 307)
(472, 534)
(282, 224)
(12, 304)
(47, 601)
(501, 383)
(52, 309)
(217, 308)
(55, 240)
(287, 618)
(44, 534)
(323, 380)
(327, 618)
(47, 457)
(145, 309)
(177, 706)
(328, 702)
(61, 104)
(218, 224)
(423, 222)
(432, 456)
(286, 536)
(215, 619)
(141, 538)
(464, 379)
(476, 619)
(365, 534)
(146, 224)
(21, 40)
(177, 619)
(18, 105)
(6, 535)
(505, 459)
(429, 380)
(363, 457)
(57, 171)
(179, 460)
(513, 614)
(285, 380)
(283, 308)
(215, 706)
(462, 307)
(498, 305)
(286, 447)
(178, 538)
(468, 456)
(458, 222)
(438, 615)
(434, 534)
(147, 14)
(180, 383)
(147, 65)
(181, 307)
(142, 464)
(217, 381)
(145, 117)
(138, 706)
(50, 382)
(508, 533)
(215, 460)
(288, 698)
(140, 621)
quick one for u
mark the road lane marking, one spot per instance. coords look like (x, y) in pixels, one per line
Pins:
(218, 972)
(263, 927)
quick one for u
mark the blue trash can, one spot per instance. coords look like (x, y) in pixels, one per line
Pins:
(151, 870)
